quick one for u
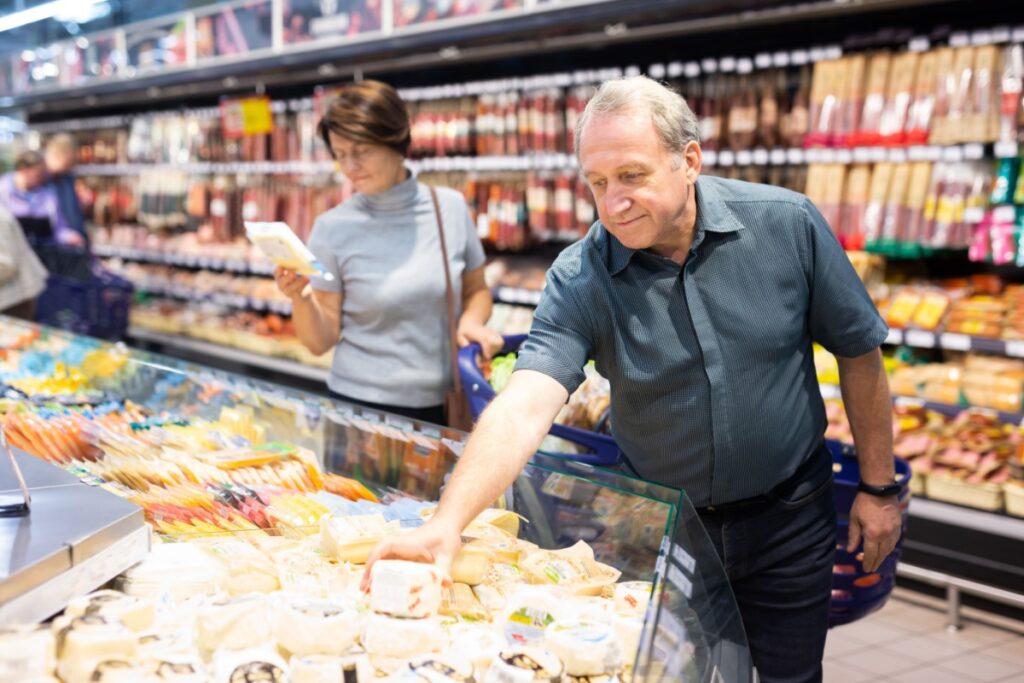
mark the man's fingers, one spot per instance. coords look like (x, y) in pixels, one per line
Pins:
(871, 559)
(853, 536)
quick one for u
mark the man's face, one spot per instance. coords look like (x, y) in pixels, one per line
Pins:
(59, 161)
(641, 189)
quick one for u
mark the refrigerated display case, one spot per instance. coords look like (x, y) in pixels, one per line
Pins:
(691, 629)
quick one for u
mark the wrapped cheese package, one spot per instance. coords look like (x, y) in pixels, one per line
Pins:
(306, 627)
(135, 613)
(405, 589)
(88, 640)
(530, 610)
(237, 623)
(631, 598)
(481, 643)
(527, 664)
(351, 539)
(27, 652)
(177, 570)
(167, 644)
(283, 247)
(181, 671)
(328, 669)
(585, 648)
(573, 569)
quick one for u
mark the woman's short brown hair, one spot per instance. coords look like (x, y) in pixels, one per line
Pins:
(369, 111)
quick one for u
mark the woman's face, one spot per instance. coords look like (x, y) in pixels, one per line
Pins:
(370, 168)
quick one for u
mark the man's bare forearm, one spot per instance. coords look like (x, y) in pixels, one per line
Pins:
(507, 436)
(868, 405)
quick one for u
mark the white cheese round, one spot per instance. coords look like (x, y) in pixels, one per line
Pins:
(405, 589)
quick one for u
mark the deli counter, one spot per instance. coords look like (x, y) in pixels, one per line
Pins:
(218, 507)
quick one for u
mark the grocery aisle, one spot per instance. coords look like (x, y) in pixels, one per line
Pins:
(907, 642)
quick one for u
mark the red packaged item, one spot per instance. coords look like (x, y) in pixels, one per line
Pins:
(851, 103)
(898, 98)
(869, 133)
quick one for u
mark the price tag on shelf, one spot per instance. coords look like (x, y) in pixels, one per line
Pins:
(981, 38)
(1001, 34)
(679, 580)
(953, 154)
(656, 71)
(878, 154)
(683, 558)
(844, 156)
(777, 157)
(960, 39)
(1006, 150)
(675, 69)
(955, 342)
(709, 66)
(897, 155)
(780, 59)
(894, 337)
(919, 44)
(812, 155)
(828, 156)
(726, 158)
(861, 155)
(909, 401)
(692, 70)
(398, 423)
(763, 61)
(1004, 214)
(817, 54)
(727, 64)
(974, 215)
(795, 155)
(760, 156)
(744, 157)
(1015, 348)
(920, 338)
(974, 151)
(711, 157)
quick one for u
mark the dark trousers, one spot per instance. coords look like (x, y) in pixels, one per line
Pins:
(778, 553)
(432, 414)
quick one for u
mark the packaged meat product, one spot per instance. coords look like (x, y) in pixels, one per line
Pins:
(869, 133)
(922, 109)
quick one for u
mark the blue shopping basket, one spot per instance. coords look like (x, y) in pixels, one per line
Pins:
(97, 306)
(855, 592)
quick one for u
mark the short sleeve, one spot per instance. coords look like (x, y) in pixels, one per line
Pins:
(320, 245)
(475, 257)
(560, 340)
(843, 318)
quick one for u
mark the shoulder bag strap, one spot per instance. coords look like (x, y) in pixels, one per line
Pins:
(449, 290)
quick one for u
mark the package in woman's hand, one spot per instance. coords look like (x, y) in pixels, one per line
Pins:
(284, 248)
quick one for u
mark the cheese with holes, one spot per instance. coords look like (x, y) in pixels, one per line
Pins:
(88, 640)
(316, 627)
(135, 613)
(405, 589)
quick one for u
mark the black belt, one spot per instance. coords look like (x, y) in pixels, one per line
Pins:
(803, 472)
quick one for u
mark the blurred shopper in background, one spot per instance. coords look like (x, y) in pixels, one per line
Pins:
(22, 276)
(60, 162)
(26, 193)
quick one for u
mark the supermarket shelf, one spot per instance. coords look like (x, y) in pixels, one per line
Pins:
(527, 162)
(831, 392)
(236, 301)
(949, 341)
(184, 260)
(287, 367)
(979, 520)
(567, 162)
(516, 295)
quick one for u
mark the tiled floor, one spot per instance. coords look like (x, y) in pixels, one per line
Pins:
(907, 642)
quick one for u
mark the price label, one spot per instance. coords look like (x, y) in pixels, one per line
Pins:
(953, 154)
(778, 157)
(398, 423)
(1015, 348)
(711, 157)
(795, 155)
(246, 116)
(844, 156)
(726, 158)
(744, 158)
(878, 154)
(684, 558)
(1004, 214)
(763, 61)
(679, 580)
(974, 151)
(861, 155)
(828, 156)
(919, 44)
(955, 342)
(897, 155)
(894, 337)
(974, 215)
(920, 339)
(1006, 150)
(780, 59)
(909, 402)
(760, 156)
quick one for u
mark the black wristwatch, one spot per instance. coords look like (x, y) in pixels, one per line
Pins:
(886, 491)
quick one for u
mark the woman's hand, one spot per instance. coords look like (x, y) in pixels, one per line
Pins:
(490, 341)
(291, 284)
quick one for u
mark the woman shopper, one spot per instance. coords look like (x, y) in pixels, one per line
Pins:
(22, 276)
(384, 309)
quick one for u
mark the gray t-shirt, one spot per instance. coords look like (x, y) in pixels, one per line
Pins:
(385, 254)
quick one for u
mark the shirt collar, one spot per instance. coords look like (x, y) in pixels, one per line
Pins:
(713, 215)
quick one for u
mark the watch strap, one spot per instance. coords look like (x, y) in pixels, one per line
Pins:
(885, 491)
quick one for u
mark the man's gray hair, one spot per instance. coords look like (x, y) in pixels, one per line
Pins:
(673, 119)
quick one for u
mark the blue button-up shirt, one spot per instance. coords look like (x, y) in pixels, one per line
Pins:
(711, 366)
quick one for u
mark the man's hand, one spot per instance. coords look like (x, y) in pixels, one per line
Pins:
(878, 522)
(489, 340)
(435, 542)
(292, 285)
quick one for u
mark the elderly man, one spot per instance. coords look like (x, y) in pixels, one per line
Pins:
(700, 298)
(27, 195)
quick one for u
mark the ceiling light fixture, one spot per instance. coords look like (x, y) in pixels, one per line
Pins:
(47, 10)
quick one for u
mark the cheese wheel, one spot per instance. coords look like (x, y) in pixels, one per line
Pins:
(135, 613)
(122, 671)
(237, 623)
(525, 665)
(308, 627)
(177, 570)
(405, 589)
(631, 598)
(446, 668)
(167, 645)
(386, 636)
(181, 671)
(88, 640)
(629, 631)
(249, 666)
(586, 648)
(481, 644)
(529, 611)
(27, 652)
(316, 669)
